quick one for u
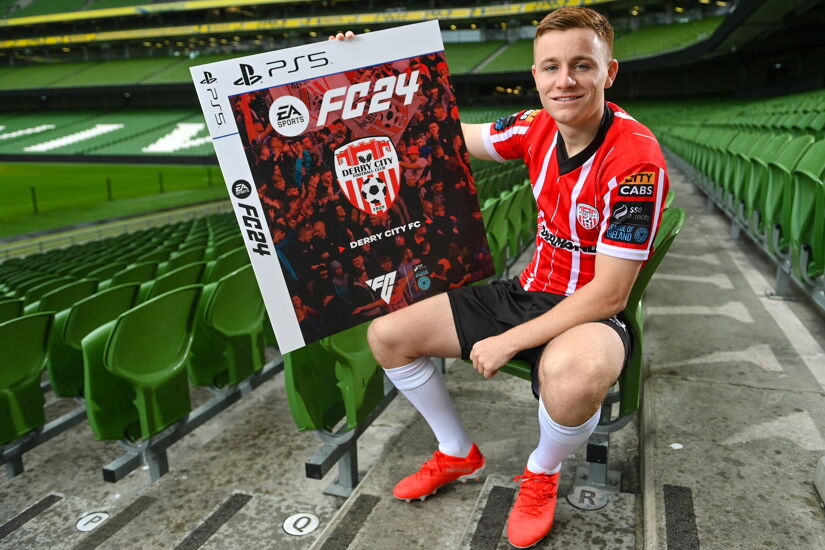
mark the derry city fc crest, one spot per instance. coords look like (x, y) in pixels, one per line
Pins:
(368, 173)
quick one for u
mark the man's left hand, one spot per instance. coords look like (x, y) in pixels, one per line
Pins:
(491, 354)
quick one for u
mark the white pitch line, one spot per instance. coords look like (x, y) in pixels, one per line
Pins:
(797, 333)
(760, 355)
(799, 428)
(735, 310)
(720, 279)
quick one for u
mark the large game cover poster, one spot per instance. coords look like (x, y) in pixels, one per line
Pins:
(365, 198)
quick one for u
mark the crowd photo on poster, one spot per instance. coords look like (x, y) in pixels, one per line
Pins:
(344, 261)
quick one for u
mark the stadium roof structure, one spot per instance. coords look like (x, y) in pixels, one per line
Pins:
(261, 25)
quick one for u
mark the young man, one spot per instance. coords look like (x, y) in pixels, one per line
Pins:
(599, 180)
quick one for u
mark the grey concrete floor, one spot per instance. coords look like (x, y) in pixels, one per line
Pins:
(734, 417)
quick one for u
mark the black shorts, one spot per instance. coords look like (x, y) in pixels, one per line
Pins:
(482, 311)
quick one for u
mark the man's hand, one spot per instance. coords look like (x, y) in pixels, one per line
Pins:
(342, 36)
(491, 354)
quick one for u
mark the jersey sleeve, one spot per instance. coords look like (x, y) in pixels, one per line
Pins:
(505, 138)
(632, 211)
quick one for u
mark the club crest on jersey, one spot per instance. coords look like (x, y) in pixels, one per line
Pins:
(587, 216)
(368, 173)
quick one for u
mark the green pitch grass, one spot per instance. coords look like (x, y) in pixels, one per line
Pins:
(71, 194)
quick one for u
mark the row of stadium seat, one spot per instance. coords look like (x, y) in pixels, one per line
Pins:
(771, 183)
(142, 300)
(762, 162)
(123, 344)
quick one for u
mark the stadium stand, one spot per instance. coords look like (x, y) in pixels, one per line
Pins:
(464, 57)
(646, 41)
(761, 161)
(657, 39)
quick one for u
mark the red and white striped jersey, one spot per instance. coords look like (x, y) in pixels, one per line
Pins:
(607, 199)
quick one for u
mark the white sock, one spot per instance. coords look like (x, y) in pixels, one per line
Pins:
(557, 442)
(421, 383)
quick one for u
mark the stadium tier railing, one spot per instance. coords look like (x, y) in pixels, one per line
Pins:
(80, 236)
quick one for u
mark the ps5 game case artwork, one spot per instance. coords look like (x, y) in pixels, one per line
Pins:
(349, 177)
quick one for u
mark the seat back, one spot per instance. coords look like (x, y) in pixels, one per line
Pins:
(673, 219)
(65, 296)
(137, 273)
(96, 310)
(106, 271)
(33, 292)
(152, 339)
(23, 344)
(226, 264)
(23, 347)
(10, 308)
(807, 226)
(236, 306)
(190, 274)
(360, 377)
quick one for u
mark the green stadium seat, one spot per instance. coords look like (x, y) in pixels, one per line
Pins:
(221, 247)
(190, 274)
(807, 220)
(64, 296)
(65, 360)
(496, 233)
(775, 214)
(228, 342)
(135, 367)
(360, 378)
(23, 344)
(756, 179)
(106, 272)
(226, 264)
(180, 259)
(10, 309)
(331, 379)
(136, 273)
(630, 381)
(311, 388)
(34, 292)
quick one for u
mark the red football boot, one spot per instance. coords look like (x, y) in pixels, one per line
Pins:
(437, 472)
(532, 515)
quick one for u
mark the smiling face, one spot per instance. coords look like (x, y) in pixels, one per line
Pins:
(572, 69)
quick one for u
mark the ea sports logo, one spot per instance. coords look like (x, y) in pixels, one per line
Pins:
(241, 189)
(289, 116)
